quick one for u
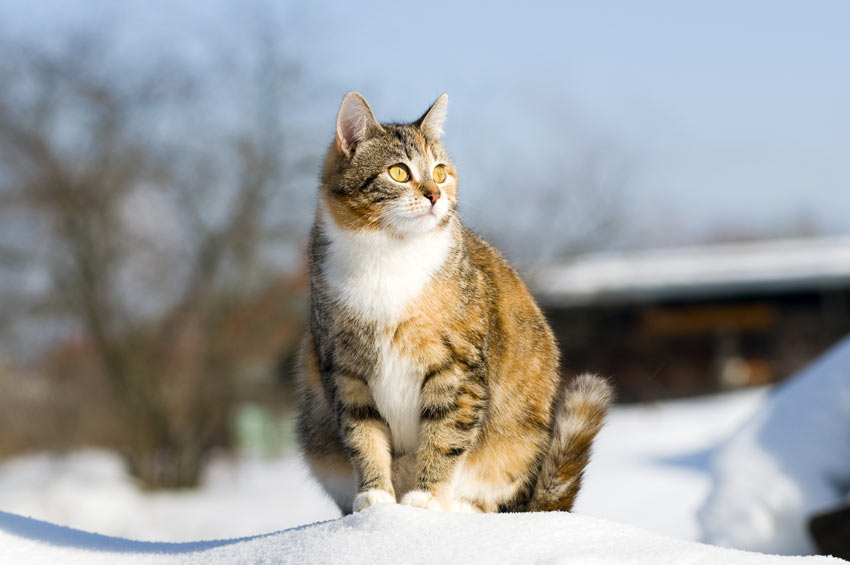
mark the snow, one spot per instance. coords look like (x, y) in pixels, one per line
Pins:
(641, 493)
(791, 460)
(91, 491)
(647, 456)
(689, 271)
(651, 462)
(387, 534)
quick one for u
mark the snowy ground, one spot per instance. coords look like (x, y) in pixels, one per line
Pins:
(651, 462)
(89, 490)
(650, 470)
(389, 534)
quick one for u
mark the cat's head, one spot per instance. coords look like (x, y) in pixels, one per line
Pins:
(392, 177)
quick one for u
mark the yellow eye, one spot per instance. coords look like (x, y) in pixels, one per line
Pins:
(399, 173)
(439, 174)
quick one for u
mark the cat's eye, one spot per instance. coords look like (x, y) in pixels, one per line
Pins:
(439, 174)
(399, 173)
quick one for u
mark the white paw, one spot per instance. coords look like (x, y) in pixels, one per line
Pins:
(371, 498)
(422, 499)
(465, 507)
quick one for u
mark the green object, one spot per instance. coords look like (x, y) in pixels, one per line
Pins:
(261, 432)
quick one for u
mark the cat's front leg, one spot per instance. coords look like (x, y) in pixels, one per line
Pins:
(453, 403)
(367, 440)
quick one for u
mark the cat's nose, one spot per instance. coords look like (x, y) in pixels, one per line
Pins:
(432, 195)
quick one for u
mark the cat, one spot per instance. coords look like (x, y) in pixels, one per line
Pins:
(428, 375)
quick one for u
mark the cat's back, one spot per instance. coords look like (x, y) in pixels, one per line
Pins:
(523, 347)
(504, 282)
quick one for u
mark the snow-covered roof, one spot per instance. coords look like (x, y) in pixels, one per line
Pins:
(708, 271)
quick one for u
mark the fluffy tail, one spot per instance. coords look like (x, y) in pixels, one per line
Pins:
(578, 418)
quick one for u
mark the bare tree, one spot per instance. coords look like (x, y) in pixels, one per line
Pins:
(577, 207)
(151, 219)
(556, 191)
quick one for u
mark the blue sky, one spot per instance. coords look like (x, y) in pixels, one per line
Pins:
(729, 113)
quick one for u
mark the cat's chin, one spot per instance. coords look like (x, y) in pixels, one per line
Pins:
(417, 225)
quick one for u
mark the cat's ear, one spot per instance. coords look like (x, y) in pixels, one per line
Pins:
(354, 123)
(431, 123)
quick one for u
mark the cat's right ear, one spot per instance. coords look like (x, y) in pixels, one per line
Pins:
(354, 123)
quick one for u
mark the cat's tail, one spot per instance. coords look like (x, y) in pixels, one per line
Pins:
(578, 418)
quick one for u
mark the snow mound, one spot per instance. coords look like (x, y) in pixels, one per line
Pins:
(386, 534)
(788, 462)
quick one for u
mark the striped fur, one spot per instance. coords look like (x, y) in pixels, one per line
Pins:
(579, 418)
(429, 375)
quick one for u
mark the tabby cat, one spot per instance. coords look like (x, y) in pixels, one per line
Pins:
(428, 375)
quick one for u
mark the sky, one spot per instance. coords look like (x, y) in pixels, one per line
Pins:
(727, 113)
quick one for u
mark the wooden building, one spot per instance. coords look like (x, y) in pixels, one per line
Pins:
(677, 322)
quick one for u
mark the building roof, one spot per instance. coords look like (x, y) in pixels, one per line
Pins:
(696, 272)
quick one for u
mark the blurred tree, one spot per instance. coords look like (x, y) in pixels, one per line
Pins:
(576, 206)
(142, 205)
(799, 225)
(555, 191)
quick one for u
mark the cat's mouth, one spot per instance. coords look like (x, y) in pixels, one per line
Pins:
(412, 217)
(425, 219)
(417, 222)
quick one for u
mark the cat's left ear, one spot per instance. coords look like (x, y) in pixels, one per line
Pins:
(431, 123)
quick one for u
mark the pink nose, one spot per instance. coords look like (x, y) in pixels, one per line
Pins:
(433, 196)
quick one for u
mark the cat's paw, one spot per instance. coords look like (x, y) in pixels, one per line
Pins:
(465, 507)
(422, 499)
(372, 497)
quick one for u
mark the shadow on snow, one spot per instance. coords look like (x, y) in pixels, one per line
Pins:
(45, 532)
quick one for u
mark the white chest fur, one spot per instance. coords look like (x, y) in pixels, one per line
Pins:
(395, 389)
(377, 275)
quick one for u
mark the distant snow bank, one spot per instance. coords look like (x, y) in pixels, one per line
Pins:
(387, 534)
(90, 490)
(650, 466)
(792, 459)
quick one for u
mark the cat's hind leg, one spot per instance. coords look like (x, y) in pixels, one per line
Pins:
(325, 456)
(321, 446)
